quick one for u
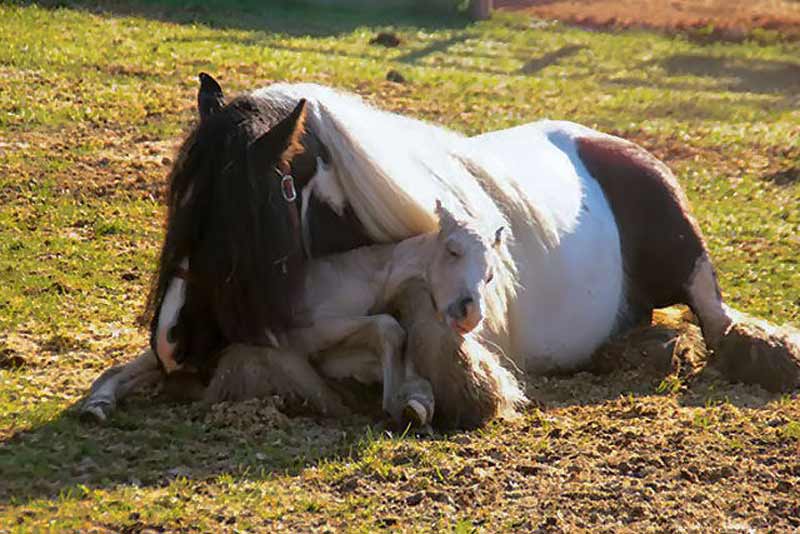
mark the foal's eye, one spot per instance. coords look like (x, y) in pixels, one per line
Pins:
(455, 249)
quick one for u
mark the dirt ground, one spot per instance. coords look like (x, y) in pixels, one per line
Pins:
(726, 19)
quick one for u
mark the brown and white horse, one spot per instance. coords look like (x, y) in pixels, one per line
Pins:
(603, 233)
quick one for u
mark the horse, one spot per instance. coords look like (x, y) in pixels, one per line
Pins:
(603, 233)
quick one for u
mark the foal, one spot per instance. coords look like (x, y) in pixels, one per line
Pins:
(345, 302)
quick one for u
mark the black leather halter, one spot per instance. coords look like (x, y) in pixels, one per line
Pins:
(289, 192)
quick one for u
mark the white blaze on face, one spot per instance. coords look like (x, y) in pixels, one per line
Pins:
(168, 318)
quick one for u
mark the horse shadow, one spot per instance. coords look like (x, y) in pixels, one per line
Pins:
(152, 441)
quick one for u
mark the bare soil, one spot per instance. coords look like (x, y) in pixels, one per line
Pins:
(723, 19)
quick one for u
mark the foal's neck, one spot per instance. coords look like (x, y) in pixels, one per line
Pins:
(409, 259)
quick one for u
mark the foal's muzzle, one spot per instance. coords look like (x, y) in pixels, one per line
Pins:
(464, 315)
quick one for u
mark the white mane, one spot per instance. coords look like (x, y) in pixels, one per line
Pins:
(392, 169)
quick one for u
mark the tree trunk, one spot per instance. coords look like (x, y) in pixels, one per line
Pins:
(480, 9)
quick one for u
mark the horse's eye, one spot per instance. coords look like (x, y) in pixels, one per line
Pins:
(490, 278)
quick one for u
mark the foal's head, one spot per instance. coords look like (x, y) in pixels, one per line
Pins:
(467, 260)
(230, 218)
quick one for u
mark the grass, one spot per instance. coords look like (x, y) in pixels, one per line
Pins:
(94, 98)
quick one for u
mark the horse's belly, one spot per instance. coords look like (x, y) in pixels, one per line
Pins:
(569, 296)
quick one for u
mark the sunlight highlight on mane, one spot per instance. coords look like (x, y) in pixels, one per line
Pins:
(392, 169)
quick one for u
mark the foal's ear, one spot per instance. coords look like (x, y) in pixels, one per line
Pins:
(209, 97)
(446, 219)
(283, 139)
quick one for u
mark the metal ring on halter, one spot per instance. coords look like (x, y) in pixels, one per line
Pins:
(288, 189)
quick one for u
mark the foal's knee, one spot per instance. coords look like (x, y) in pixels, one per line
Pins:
(391, 332)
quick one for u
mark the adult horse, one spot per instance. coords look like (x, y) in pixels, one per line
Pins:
(602, 231)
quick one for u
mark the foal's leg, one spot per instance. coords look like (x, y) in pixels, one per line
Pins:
(118, 382)
(384, 336)
(667, 262)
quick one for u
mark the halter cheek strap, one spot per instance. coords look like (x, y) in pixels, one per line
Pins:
(289, 192)
(182, 273)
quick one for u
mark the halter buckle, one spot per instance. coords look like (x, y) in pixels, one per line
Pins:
(288, 189)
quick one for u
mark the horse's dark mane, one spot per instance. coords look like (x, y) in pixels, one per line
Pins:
(226, 213)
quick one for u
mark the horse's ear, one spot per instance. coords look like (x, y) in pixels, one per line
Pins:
(446, 219)
(209, 97)
(498, 236)
(283, 139)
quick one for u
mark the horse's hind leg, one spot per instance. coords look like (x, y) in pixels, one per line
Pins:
(118, 382)
(745, 349)
(667, 262)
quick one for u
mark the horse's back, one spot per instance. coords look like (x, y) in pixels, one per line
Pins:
(570, 294)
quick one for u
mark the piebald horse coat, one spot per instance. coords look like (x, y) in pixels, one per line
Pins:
(602, 233)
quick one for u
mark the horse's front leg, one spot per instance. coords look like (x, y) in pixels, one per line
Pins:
(248, 371)
(404, 395)
(118, 382)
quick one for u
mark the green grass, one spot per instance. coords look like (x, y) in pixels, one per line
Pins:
(95, 96)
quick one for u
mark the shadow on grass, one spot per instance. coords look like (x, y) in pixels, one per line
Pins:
(728, 74)
(784, 177)
(290, 17)
(739, 75)
(149, 442)
(551, 58)
(436, 46)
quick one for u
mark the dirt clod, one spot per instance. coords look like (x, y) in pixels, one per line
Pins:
(387, 39)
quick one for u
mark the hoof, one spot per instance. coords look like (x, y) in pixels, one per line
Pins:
(758, 353)
(416, 414)
(416, 404)
(97, 410)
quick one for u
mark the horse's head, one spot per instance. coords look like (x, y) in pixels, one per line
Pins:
(231, 231)
(466, 260)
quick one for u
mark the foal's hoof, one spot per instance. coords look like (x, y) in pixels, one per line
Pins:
(416, 414)
(415, 400)
(97, 410)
